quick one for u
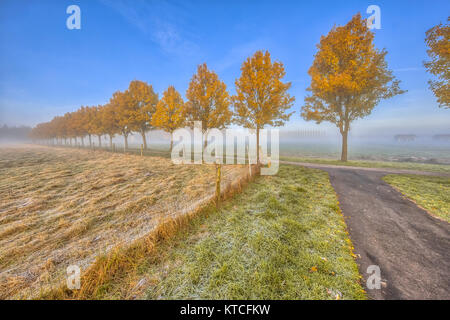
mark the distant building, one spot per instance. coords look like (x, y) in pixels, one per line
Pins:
(441, 137)
(405, 137)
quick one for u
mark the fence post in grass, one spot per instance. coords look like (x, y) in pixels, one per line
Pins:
(249, 162)
(218, 180)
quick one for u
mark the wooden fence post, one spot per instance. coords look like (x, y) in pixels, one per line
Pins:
(218, 180)
(249, 162)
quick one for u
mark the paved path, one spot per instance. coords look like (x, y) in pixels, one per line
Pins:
(411, 247)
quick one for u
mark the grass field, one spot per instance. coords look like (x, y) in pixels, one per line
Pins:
(374, 164)
(283, 237)
(61, 206)
(431, 193)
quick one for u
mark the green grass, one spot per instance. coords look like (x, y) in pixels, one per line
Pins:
(374, 164)
(431, 193)
(282, 238)
(161, 152)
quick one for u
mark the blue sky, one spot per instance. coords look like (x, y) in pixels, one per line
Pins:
(47, 70)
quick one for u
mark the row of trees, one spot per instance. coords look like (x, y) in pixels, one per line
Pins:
(126, 112)
(349, 77)
(14, 133)
(261, 99)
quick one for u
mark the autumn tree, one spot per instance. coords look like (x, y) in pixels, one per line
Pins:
(96, 124)
(349, 77)
(143, 101)
(59, 127)
(124, 114)
(88, 119)
(262, 98)
(208, 100)
(70, 126)
(170, 112)
(438, 41)
(108, 117)
(82, 123)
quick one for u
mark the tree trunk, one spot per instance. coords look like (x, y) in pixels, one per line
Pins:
(205, 143)
(90, 141)
(144, 139)
(171, 143)
(110, 142)
(257, 145)
(82, 141)
(99, 141)
(125, 148)
(344, 146)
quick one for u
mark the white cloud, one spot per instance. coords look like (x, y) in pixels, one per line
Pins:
(409, 69)
(160, 20)
(239, 53)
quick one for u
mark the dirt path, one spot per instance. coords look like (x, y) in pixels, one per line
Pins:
(411, 247)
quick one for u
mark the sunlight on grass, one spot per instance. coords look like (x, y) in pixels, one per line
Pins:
(431, 193)
(374, 164)
(282, 238)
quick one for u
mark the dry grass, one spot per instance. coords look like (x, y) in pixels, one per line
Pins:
(61, 207)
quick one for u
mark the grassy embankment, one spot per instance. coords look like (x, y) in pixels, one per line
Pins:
(374, 164)
(431, 193)
(283, 237)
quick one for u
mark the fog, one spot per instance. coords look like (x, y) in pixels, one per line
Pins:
(13, 135)
(408, 146)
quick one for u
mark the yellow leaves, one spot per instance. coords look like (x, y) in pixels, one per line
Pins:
(437, 39)
(336, 294)
(170, 111)
(349, 76)
(313, 269)
(261, 97)
(143, 101)
(208, 100)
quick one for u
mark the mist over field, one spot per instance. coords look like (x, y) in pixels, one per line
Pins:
(314, 143)
(17, 134)
(401, 146)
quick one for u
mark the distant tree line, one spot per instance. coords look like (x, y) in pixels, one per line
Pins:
(15, 133)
